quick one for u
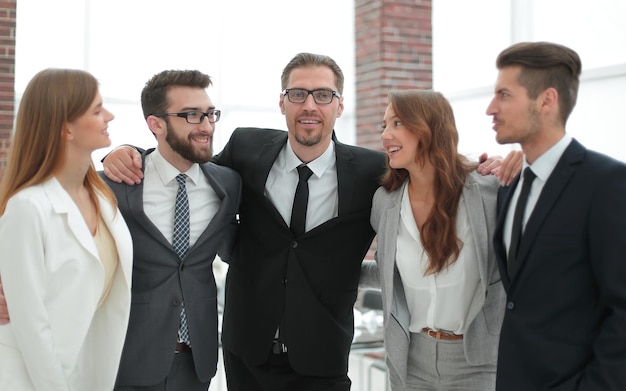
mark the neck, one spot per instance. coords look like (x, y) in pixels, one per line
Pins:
(537, 146)
(308, 153)
(422, 182)
(173, 158)
(72, 172)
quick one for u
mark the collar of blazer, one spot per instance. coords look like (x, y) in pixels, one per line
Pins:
(62, 203)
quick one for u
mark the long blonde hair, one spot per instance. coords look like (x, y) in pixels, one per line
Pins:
(52, 99)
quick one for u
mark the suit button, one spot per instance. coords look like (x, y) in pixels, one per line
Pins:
(176, 302)
(284, 281)
(182, 267)
(510, 305)
(294, 244)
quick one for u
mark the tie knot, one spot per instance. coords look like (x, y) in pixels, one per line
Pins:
(181, 179)
(304, 172)
(529, 175)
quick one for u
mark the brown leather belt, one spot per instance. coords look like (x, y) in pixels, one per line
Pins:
(442, 334)
(182, 347)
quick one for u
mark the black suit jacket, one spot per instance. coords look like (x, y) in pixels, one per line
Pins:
(309, 282)
(565, 322)
(161, 280)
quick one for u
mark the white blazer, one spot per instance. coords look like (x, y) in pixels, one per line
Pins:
(53, 279)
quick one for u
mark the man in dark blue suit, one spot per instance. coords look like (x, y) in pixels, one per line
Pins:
(562, 255)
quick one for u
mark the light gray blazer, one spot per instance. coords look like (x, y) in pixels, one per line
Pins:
(481, 339)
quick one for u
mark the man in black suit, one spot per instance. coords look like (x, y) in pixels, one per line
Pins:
(562, 256)
(156, 355)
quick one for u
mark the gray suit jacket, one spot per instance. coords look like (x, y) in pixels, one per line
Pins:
(481, 339)
(161, 280)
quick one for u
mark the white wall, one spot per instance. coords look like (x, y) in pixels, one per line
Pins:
(243, 44)
(468, 35)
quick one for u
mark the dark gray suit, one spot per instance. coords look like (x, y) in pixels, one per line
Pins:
(160, 281)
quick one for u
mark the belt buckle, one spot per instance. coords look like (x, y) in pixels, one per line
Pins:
(433, 334)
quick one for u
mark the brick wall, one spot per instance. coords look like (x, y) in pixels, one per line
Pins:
(393, 51)
(7, 77)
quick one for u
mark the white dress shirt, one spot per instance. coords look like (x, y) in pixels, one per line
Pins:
(280, 187)
(542, 167)
(159, 197)
(439, 301)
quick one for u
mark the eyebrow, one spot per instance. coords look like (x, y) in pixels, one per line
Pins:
(196, 108)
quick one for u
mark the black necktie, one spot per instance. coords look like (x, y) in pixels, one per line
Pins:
(300, 201)
(518, 217)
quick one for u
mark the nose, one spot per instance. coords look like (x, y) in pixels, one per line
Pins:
(309, 102)
(110, 116)
(385, 135)
(206, 125)
(491, 109)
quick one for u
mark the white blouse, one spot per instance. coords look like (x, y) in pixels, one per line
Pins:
(438, 301)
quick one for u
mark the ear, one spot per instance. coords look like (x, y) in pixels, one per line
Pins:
(549, 100)
(157, 125)
(67, 133)
(340, 107)
(281, 103)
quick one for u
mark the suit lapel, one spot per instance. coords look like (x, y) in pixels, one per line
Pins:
(505, 193)
(478, 223)
(224, 202)
(63, 204)
(119, 231)
(346, 171)
(551, 192)
(134, 198)
(269, 152)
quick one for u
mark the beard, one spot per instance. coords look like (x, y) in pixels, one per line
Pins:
(308, 141)
(185, 148)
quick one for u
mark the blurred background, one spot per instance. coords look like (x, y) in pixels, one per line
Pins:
(447, 45)
(244, 45)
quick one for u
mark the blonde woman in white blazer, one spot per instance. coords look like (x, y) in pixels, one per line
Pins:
(65, 251)
(443, 301)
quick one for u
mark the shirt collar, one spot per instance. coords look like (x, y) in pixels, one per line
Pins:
(318, 166)
(543, 166)
(167, 173)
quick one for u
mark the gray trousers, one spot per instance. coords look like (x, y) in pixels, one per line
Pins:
(440, 365)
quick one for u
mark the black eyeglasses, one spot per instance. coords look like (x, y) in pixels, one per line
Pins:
(195, 117)
(321, 96)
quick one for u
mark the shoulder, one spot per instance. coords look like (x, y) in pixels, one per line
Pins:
(221, 173)
(488, 183)
(384, 198)
(366, 161)
(28, 206)
(257, 134)
(363, 153)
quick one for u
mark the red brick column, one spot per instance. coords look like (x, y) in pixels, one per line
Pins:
(393, 51)
(7, 77)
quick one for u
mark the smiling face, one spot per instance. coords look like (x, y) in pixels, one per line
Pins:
(310, 124)
(516, 117)
(400, 144)
(89, 131)
(182, 143)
